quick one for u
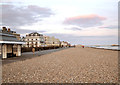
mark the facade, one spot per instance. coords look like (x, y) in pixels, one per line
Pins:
(65, 44)
(10, 45)
(33, 40)
(51, 41)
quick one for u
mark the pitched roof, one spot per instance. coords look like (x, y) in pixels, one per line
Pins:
(34, 34)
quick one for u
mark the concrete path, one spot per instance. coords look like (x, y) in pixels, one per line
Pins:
(29, 55)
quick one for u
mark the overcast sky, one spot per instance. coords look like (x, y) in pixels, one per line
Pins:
(76, 21)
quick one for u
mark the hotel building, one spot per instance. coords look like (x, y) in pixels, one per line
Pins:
(33, 40)
(51, 41)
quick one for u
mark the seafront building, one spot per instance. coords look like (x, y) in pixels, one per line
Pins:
(17, 35)
(38, 40)
(51, 41)
(10, 43)
(65, 44)
(33, 40)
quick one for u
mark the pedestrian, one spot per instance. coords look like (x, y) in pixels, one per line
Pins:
(82, 46)
(33, 50)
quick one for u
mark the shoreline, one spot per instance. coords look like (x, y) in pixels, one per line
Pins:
(105, 49)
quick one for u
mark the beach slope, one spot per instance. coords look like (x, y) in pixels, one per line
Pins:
(72, 65)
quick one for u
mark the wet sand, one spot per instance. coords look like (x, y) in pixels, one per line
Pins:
(72, 65)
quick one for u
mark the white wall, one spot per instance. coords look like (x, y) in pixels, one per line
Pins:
(4, 51)
(18, 50)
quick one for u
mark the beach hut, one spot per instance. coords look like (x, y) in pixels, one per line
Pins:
(10, 45)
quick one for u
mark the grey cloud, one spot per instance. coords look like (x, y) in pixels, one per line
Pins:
(23, 31)
(85, 21)
(110, 27)
(74, 29)
(42, 31)
(13, 16)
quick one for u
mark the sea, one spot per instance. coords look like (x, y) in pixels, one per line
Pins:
(110, 47)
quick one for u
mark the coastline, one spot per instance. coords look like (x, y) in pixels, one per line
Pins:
(105, 49)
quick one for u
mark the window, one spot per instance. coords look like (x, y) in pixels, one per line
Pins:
(14, 48)
(34, 46)
(41, 41)
(29, 45)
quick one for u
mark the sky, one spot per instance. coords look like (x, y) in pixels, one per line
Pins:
(86, 22)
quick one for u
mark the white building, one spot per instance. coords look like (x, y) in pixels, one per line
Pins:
(33, 40)
(51, 41)
(65, 44)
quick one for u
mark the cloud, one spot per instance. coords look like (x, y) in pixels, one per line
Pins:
(73, 29)
(25, 31)
(85, 21)
(13, 16)
(86, 40)
(110, 27)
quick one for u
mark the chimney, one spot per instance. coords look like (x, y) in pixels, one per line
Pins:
(9, 30)
(4, 29)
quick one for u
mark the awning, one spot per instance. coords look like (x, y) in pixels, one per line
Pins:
(11, 42)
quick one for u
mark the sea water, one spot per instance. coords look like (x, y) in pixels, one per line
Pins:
(107, 47)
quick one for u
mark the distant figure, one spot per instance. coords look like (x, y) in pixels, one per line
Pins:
(74, 46)
(33, 50)
(82, 46)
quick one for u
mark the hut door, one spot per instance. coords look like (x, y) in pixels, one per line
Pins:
(9, 51)
(15, 49)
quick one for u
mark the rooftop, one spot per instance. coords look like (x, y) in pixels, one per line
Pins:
(7, 36)
(34, 34)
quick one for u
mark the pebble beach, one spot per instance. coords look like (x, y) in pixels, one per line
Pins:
(71, 65)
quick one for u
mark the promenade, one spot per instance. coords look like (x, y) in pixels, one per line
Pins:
(72, 65)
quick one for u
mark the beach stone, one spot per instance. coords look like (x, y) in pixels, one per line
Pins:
(72, 65)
